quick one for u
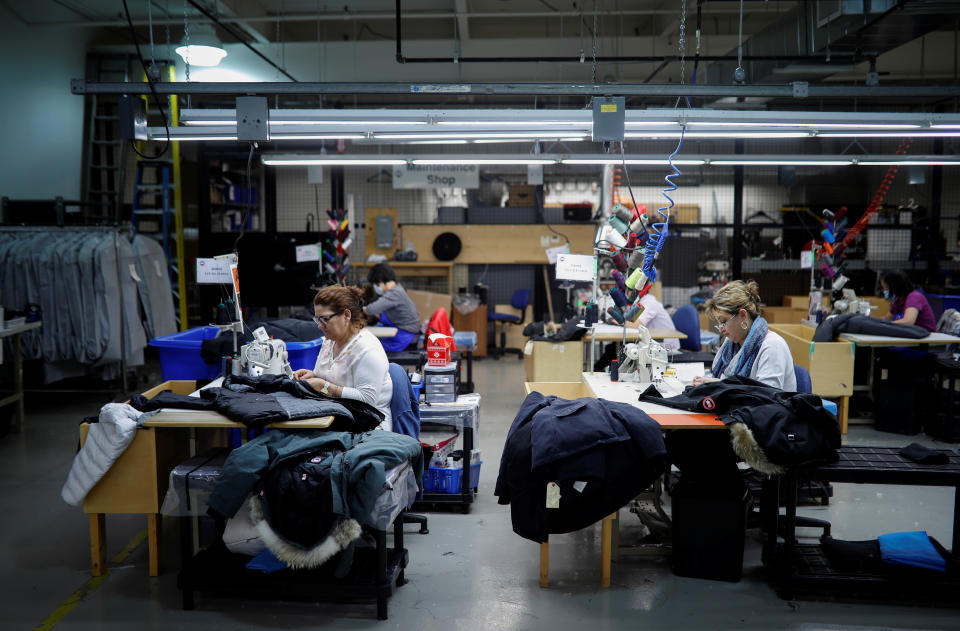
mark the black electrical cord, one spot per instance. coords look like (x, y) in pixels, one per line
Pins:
(248, 199)
(153, 91)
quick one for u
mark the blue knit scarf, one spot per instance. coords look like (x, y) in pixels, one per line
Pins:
(751, 347)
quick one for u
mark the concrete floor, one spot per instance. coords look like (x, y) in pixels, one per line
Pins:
(470, 572)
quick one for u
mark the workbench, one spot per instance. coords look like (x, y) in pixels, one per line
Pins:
(419, 269)
(16, 398)
(598, 385)
(137, 481)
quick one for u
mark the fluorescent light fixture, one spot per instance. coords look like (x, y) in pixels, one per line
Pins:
(452, 161)
(278, 137)
(204, 48)
(925, 163)
(546, 122)
(308, 161)
(162, 136)
(471, 135)
(452, 141)
(746, 135)
(889, 134)
(807, 125)
(784, 162)
(632, 161)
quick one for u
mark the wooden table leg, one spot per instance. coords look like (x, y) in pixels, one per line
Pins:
(544, 563)
(605, 549)
(98, 543)
(153, 542)
(843, 412)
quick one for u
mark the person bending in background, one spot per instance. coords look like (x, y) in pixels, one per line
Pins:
(393, 307)
(907, 305)
(351, 363)
(750, 349)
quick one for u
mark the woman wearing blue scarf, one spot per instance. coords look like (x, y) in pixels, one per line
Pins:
(751, 349)
(706, 459)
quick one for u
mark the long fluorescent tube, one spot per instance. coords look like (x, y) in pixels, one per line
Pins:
(746, 135)
(806, 125)
(784, 162)
(471, 135)
(275, 137)
(281, 161)
(629, 161)
(451, 161)
(889, 134)
(907, 163)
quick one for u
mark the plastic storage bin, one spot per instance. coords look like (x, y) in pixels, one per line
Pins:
(443, 480)
(180, 354)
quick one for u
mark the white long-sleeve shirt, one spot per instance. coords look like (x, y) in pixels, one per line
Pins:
(363, 371)
(654, 316)
(773, 365)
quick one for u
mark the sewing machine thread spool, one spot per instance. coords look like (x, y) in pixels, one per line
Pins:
(637, 226)
(618, 224)
(619, 298)
(635, 278)
(623, 214)
(590, 313)
(614, 370)
(636, 259)
(633, 312)
(614, 238)
(619, 261)
(619, 280)
(616, 314)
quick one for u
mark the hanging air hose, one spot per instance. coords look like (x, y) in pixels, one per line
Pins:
(661, 229)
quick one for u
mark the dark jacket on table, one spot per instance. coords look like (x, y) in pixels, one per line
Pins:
(259, 401)
(600, 453)
(833, 326)
(790, 428)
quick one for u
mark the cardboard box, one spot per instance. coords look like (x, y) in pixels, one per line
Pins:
(784, 315)
(553, 361)
(522, 195)
(564, 390)
(830, 364)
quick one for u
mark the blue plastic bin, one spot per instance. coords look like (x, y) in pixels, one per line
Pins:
(180, 354)
(442, 480)
(941, 302)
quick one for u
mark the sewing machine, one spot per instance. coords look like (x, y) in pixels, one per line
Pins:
(264, 356)
(644, 361)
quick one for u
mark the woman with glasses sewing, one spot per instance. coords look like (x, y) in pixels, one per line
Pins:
(352, 363)
(751, 349)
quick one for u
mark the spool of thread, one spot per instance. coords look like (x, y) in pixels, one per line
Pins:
(635, 278)
(619, 298)
(613, 237)
(827, 271)
(614, 370)
(590, 313)
(633, 312)
(828, 259)
(618, 224)
(827, 235)
(828, 247)
(619, 280)
(619, 261)
(637, 225)
(616, 314)
(642, 237)
(632, 241)
(636, 259)
(625, 215)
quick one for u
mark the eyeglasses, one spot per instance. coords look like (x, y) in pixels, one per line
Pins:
(323, 320)
(721, 326)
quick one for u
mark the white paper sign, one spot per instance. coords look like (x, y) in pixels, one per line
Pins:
(576, 266)
(436, 176)
(309, 252)
(554, 252)
(806, 259)
(213, 272)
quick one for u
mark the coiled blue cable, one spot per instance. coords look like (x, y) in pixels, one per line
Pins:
(661, 229)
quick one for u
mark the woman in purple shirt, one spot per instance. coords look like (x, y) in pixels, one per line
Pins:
(907, 305)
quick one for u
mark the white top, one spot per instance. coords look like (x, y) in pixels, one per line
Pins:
(654, 316)
(773, 366)
(362, 369)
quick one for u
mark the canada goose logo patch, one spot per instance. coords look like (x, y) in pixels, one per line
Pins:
(708, 403)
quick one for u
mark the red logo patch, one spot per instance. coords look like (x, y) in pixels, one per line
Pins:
(708, 403)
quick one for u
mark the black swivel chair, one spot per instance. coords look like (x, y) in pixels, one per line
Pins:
(520, 300)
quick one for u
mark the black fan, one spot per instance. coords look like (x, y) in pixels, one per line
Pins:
(446, 246)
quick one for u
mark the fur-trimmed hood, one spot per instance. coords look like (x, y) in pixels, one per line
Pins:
(295, 556)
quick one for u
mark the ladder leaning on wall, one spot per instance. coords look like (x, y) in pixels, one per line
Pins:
(158, 203)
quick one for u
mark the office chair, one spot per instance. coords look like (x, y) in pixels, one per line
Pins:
(520, 300)
(687, 321)
(770, 490)
(406, 420)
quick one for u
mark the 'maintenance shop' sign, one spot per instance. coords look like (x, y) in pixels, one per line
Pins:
(436, 176)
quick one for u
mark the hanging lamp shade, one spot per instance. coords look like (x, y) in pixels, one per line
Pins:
(204, 48)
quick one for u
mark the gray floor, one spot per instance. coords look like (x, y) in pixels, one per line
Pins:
(470, 572)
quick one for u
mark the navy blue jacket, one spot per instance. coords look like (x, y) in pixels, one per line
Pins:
(601, 454)
(404, 407)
